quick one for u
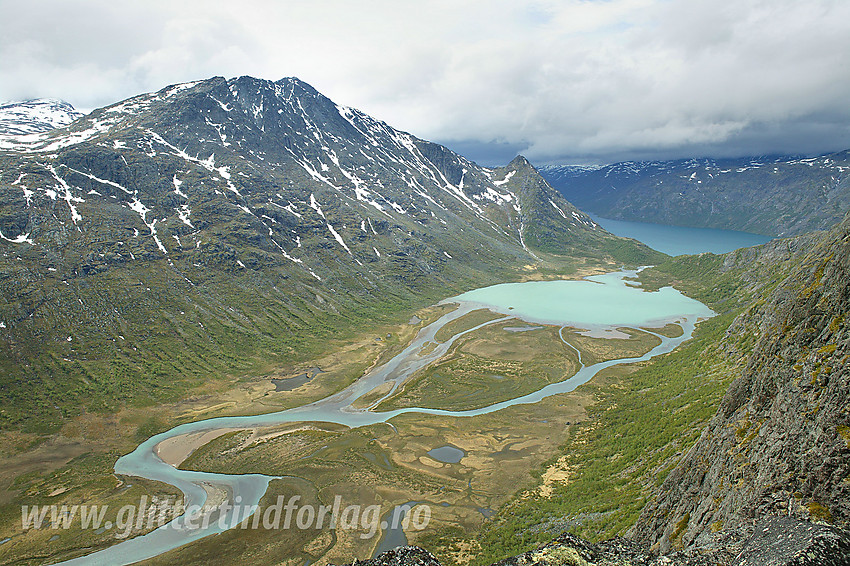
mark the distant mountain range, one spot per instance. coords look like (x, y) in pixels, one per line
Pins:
(34, 116)
(774, 196)
(241, 216)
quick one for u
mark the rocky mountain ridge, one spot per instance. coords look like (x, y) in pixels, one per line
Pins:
(773, 196)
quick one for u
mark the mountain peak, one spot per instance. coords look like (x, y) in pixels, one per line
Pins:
(519, 162)
(297, 82)
(35, 115)
(305, 180)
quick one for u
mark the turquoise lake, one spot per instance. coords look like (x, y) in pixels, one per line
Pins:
(596, 302)
(679, 240)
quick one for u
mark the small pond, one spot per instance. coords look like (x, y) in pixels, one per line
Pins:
(447, 454)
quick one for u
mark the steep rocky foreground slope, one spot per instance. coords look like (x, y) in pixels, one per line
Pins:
(780, 442)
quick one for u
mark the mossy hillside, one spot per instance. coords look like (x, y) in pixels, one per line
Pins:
(726, 282)
(145, 336)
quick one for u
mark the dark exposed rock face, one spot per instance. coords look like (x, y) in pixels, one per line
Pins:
(779, 444)
(401, 556)
(776, 541)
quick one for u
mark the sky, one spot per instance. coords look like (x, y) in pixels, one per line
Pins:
(570, 81)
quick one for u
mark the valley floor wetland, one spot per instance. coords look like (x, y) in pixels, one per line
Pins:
(443, 391)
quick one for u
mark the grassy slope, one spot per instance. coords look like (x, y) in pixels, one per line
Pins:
(144, 336)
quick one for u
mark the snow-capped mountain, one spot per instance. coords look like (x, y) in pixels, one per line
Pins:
(252, 214)
(33, 116)
(775, 196)
(280, 158)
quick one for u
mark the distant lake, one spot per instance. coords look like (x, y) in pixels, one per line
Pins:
(678, 240)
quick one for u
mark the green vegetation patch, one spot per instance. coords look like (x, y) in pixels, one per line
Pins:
(486, 367)
(464, 323)
(594, 350)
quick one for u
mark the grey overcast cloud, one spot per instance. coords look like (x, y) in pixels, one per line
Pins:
(574, 81)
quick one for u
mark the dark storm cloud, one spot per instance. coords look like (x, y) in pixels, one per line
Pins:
(571, 80)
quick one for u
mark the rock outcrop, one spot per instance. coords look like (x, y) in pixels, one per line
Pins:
(780, 441)
(401, 556)
(776, 541)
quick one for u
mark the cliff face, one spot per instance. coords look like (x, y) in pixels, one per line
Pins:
(780, 441)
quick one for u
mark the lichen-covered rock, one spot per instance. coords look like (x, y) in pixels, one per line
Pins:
(401, 556)
(774, 541)
(782, 541)
(566, 550)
